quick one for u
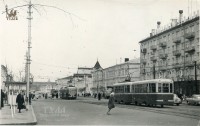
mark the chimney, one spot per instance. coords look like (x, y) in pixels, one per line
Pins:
(126, 59)
(153, 31)
(180, 15)
(158, 24)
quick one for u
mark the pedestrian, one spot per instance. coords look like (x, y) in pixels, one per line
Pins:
(57, 95)
(6, 98)
(30, 96)
(20, 101)
(111, 104)
(46, 96)
(2, 98)
(99, 96)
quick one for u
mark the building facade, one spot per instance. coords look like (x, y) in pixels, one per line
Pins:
(127, 71)
(43, 86)
(63, 82)
(83, 80)
(173, 52)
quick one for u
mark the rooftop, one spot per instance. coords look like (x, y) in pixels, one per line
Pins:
(170, 27)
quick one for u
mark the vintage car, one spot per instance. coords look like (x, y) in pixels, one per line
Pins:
(177, 100)
(194, 100)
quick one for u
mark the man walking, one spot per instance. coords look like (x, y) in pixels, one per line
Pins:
(20, 101)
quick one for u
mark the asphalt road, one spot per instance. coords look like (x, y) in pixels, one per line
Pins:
(85, 112)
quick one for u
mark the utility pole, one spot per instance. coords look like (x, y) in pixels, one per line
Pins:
(29, 48)
(195, 74)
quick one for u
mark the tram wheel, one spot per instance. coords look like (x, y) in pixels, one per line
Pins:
(162, 106)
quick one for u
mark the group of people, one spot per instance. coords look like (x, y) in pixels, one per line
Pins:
(98, 95)
(19, 100)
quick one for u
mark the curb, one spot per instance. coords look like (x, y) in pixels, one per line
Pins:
(34, 117)
(34, 122)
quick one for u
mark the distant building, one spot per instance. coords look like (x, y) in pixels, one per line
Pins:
(66, 81)
(83, 80)
(43, 86)
(97, 75)
(171, 52)
(127, 71)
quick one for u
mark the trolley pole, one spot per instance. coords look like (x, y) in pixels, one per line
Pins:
(29, 47)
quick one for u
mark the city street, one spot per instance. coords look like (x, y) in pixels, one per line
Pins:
(85, 112)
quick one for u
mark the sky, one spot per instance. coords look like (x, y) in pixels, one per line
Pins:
(77, 33)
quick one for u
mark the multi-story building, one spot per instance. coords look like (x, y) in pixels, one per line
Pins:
(127, 71)
(83, 80)
(173, 52)
(43, 86)
(66, 81)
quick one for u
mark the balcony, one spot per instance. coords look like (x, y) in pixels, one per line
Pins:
(190, 35)
(153, 58)
(142, 71)
(143, 61)
(177, 65)
(189, 63)
(153, 47)
(177, 53)
(163, 56)
(177, 40)
(144, 50)
(163, 44)
(190, 49)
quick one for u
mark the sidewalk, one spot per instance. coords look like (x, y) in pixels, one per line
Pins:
(24, 118)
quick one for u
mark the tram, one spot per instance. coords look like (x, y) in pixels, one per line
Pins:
(69, 92)
(147, 92)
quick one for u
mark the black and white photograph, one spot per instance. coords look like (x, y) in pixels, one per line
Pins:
(100, 62)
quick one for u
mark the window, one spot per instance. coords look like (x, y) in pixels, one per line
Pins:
(165, 88)
(144, 88)
(170, 88)
(133, 88)
(159, 88)
(127, 88)
(152, 88)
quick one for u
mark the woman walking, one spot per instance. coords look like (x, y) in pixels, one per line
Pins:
(111, 103)
(20, 101)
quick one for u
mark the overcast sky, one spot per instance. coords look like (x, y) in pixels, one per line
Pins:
(106, 30)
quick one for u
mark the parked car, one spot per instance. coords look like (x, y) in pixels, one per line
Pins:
(177, 100)
(194, 100)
